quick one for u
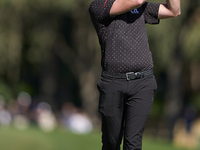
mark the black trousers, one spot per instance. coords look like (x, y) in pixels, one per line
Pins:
(125, 107)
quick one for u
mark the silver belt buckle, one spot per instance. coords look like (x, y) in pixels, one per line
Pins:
(127, 75)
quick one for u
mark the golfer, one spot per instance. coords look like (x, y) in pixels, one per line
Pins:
(127, 83)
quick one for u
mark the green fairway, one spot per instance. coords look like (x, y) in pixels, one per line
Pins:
(35, 139)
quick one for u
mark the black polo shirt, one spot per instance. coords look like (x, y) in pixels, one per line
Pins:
(123, 38)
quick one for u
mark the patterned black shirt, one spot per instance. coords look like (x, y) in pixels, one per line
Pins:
(123, 38)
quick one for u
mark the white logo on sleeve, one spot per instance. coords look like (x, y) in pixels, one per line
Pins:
(135, 11)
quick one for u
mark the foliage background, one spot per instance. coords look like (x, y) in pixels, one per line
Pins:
(50, 49)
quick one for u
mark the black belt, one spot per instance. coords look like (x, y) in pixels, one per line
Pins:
(128, 75)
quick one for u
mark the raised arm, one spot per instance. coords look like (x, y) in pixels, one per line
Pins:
(171, 9)
(122, 6)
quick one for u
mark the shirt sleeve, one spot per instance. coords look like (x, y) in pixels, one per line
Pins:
(100, 10)
(151, 13)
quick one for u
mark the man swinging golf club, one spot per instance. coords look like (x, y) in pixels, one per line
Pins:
(127, 83)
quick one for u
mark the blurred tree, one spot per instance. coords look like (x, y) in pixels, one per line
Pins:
(175, 50)
(51, 46)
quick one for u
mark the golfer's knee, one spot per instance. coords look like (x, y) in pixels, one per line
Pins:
(111, 144)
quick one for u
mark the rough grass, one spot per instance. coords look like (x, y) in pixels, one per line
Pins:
(60, 139)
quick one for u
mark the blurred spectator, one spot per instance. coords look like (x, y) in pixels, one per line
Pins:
(5, 117)
(21, 122)
(186, 129)
(20, 111)
(190, 115)
(80, 123)
(2, 102)
(45, 117)
(24, 99)
(67, 110)
(76, 120)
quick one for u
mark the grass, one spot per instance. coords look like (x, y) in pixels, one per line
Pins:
(60, 139)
